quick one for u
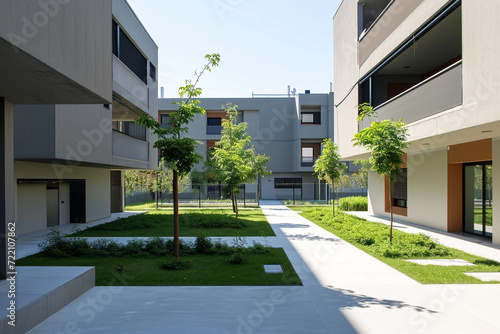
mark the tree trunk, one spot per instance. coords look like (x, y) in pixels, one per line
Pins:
(176, 215)
(390, 208)
(232, 202)
(333, 198)
(235, 204)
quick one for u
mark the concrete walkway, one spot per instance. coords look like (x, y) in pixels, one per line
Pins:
(344, 291)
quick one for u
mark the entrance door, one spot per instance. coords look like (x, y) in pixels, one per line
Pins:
(52, 207)
(478, 209)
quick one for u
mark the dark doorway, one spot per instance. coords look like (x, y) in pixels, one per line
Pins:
(77, 195)
(116, 192)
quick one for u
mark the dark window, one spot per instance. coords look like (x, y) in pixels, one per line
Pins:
(165, 119)
(214, 121)
(115, 39)
(400, 189)
(152, 71)
(132, 57)
(287, 182)
(311, 117)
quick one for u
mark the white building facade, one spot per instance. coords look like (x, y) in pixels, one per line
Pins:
(431, 64)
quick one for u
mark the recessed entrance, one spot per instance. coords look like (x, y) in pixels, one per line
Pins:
(478, 203)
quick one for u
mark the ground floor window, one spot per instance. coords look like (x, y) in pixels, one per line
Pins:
(287, 182)
(400, 189)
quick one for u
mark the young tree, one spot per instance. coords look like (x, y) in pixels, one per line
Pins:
(178, 151)
(154, 181)
(233, 160)
(386, 140)
(328, 166)
(361, 175)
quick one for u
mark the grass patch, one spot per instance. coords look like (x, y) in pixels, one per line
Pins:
(373, 238)
(160, 223)
(149, 262)
(205, 269)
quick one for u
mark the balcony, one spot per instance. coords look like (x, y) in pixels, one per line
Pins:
(129, 86)
(438, 93)
(128, 147)
(308, 161)
(214, 129)
(379, 19)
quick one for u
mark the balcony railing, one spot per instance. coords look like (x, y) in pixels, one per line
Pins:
(127, 84)
(214, 129)
(438, 93)
(308, 161)
(129, 147)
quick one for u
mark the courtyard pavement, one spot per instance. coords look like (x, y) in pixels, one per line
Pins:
(344, 291)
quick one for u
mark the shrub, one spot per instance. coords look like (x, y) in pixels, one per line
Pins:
(258, 248)
(237, 258)
(357, 203)
(203, 245)
(173, 265)
(134, 247)
(156, 246)
(222, 248)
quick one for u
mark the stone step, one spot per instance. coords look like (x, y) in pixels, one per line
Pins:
(40, 292)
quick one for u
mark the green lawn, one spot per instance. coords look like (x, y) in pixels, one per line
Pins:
(206, 270)
(373, 238)
(210, 222)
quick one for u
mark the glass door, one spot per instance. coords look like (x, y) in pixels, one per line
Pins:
(478, 209)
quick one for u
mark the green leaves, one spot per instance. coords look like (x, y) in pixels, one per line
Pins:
(179, 153)
(233, 160)
(386, 140)
(366, 110)
(328, 166)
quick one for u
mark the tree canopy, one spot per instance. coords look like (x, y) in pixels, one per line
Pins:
(328, 167)
(233, 160)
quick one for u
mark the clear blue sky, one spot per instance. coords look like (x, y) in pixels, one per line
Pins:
(264, 45)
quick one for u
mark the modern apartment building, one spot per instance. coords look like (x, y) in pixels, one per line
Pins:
(288, 129)
(433, 64)
(70, 152)
(38, 69)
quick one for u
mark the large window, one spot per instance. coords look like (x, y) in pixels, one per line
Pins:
(287, 182)
(127, 52)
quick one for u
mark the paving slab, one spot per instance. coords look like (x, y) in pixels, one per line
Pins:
(486, 277)
(442, 262)
(344, 291)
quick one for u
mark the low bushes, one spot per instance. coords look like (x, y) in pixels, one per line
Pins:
(58, 246)
(357, 203)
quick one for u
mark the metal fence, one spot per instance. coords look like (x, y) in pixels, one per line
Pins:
(198, 195)
(213, 194)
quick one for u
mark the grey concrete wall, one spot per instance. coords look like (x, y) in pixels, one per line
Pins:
(83, 133)
(32, 207)
(34, 134)
(70, 37)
